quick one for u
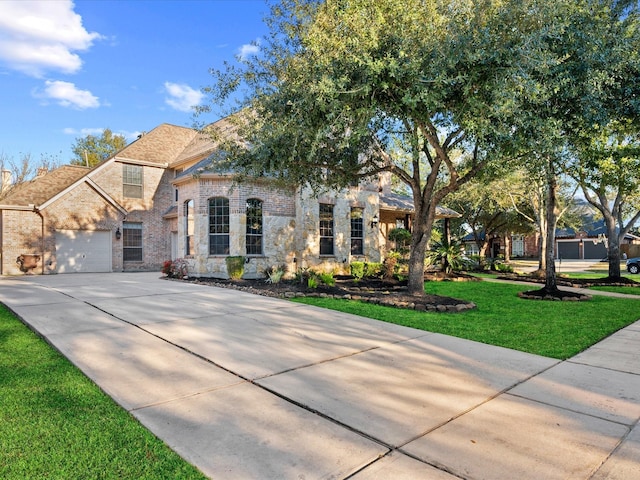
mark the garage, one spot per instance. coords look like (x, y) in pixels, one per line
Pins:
(83, 251)
(569, 249)
(594, 250)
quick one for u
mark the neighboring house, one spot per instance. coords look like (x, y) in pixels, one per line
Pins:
(159, 198)
(589, 242)
(505, 246)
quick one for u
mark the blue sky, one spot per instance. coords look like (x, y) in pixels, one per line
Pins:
(68, 69)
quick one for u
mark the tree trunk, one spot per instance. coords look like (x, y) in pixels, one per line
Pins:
(542, 243)
(419, 242)
(613, 246)
(507, 248)
(420, 238)
(551, 219)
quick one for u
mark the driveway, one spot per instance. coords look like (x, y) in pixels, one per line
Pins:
(246, 387)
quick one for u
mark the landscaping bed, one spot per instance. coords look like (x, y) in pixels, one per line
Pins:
(564, 295)
(372, 290)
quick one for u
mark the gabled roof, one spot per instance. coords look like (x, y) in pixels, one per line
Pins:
(45, 187)
(204, 142)
(404, 203)
(161, 146)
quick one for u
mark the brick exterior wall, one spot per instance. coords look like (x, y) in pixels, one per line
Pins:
(21, 235)
(82, 208)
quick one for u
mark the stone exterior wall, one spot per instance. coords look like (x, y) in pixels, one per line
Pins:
(291, 236)
(278, 238)
(308, 215)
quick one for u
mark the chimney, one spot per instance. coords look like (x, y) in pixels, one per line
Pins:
(6, 180)
(42, 171)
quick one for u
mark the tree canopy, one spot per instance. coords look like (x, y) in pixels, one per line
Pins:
(430, 90)
(93, 149)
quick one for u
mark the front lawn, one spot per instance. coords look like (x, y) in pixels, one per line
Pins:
(553, 329)
(625, 290)
(56, 423)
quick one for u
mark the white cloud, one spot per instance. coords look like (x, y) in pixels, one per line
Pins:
(39, 36)
(182, 97)
(68, 95)
(249, 49)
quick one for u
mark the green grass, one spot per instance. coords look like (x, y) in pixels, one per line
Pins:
(553, 329)
(625, 290)
(55, 423)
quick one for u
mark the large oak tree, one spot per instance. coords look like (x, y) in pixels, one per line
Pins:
(343, 90)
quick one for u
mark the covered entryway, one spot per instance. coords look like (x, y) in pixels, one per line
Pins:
(83, 251)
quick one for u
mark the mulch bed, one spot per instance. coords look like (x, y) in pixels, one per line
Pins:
(564, 295)
(391, 293)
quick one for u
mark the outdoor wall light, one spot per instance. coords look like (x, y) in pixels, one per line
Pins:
(374, 221)
(118, 234)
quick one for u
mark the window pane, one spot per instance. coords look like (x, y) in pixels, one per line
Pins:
(189, 227)
(326, 246)
(357, 231)
(132, 242)
(219, 226)
(254, 227)
(132, 181)
(326, 229)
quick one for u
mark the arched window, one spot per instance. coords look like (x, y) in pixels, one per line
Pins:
(188, 227)
(254, 226)
(218, 226)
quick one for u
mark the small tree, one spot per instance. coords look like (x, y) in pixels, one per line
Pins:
(93, 149)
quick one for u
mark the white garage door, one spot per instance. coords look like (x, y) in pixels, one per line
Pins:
(83, 251)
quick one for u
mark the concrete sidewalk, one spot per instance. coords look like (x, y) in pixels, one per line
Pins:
(249, 387)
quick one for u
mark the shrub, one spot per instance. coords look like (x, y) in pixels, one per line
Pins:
(327, 279)
(274, 274)
(449, 255)
(389, 265)
(357, 270)
(401, 236)
(166, 268)
(235, 267)
(503, 267)
(176, 268)
(312, 281)
(373, 269)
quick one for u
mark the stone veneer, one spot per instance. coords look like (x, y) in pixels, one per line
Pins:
(290, 226)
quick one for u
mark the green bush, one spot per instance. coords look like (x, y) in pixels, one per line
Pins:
(235, 267)
(312, 282)
(357, 270)
(372, 269)
(503, 267)
(327, 279)
(401, 236)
